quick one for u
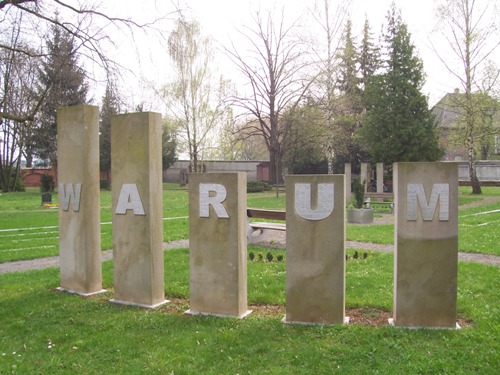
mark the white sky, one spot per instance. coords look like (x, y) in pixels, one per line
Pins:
(221, 18)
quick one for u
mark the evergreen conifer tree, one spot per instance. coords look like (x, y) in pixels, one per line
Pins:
(110, 106)
(399, 125)
(65, 79)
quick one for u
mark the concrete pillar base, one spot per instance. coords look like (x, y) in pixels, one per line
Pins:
(150, 307)
(393, 324)
(59, 289)
(346, 321)
(242, 316)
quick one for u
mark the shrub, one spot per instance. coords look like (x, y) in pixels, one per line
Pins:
(261, 257)
(279, 258)
(251, 255)
(269, 256)
(258, 186)
(104, 184)
(358, 191)
(47, 183)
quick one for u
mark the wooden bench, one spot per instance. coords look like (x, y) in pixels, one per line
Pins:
(381, 199)
(259, 231)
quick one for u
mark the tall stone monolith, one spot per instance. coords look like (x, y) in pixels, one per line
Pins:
(137, 209)
(79, 202)
(315, 249)
(218, 244)
(426, 245)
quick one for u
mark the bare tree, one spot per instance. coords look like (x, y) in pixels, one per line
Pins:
(470, 29)
(17, 97)
(331, 16)
(275, 71)
(195, 98)
(84, 21)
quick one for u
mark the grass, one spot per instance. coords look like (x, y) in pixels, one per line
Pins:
(44, 331)
(28, 231)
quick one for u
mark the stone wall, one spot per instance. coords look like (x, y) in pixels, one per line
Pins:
(172, 174)
(487, 170)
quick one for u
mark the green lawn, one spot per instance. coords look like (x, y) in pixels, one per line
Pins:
(47, 332)
(28, 231)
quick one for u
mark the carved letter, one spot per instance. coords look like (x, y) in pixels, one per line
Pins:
(129, 199)
(215, 200)
(69, 194)
(416, 193)
(303, 201)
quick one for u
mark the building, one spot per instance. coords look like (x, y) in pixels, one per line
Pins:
(449, 117)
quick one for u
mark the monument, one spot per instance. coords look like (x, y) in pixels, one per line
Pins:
(137, 209)
(79, 200)
(218, 244)
(315, 238)
(426, 245)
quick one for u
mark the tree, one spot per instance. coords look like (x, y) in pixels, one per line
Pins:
(470, 28)
(304, 134)
(348, 104)
(17, 98)
(196, 97)
(168, 143)
(399, 126)
(330, 16)
(90, 26)
(64, 81)
(275, 74)
(110, 107)
(368, 57)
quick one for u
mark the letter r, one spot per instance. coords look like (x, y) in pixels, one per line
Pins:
(215, 199)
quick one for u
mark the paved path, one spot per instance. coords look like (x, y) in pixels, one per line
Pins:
(41, 263)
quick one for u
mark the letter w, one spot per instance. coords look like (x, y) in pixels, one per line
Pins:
(69, 194)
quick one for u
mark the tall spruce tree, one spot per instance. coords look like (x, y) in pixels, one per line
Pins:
(399, 125)
(348, 103)
(65, 81)
(110, 106)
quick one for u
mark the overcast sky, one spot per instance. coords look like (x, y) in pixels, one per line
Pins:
(221, 19)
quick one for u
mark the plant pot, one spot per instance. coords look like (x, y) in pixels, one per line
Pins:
(360, 215)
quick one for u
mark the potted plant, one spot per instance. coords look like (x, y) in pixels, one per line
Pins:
(359, 214)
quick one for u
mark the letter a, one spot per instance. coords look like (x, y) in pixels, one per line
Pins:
(129, 199)
(215, 200)
(303, 201)
(69, 194)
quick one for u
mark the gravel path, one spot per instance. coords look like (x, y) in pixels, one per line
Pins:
(278, 241)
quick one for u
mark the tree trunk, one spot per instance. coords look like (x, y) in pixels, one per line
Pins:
(476, 186)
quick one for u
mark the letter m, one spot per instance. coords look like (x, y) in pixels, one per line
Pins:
(67, 194)
(416, 196)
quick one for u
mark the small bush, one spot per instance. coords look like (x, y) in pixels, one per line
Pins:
(269, 256)
(258, 186)
(355, 255)
(251, 256)
(358, 192)
(47, 183)
(279, 258)
(261, 256)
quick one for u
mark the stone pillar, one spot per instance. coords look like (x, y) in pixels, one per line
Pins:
(315, 238)
(426, 244)
(218, 244)
(364, 175)
(79, 199)
(380, 177)
(137, 209)
(347, 173)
